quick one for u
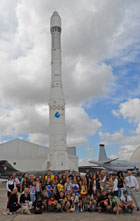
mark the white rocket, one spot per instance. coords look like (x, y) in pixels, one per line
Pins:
(58, 157)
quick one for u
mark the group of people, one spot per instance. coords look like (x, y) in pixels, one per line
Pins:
(73, 193)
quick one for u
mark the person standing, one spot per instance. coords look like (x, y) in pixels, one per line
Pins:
(10, 184)
(115, 184)
(132, 188)
(121, 183)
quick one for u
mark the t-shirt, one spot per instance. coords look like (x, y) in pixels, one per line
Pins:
(75, 187)
(120, 183)
(60, 187)
(49, 187)
(115, 185)
(126, 199)
(83, 189)
(68, 187)
(32, 190)
(115, 199)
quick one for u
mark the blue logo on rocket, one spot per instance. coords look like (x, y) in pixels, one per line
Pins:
(57, 114)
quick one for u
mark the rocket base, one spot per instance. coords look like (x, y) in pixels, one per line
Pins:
(60, 160)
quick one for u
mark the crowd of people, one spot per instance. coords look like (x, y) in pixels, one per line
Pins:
(100, 192)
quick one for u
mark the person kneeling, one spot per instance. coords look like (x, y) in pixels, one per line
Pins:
(52, 204)
(12, 204)
(25, 201)
(126, 203)
(38, 206)
(115, 204)
(103, 202)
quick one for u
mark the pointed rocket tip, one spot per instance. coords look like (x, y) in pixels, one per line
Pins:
(55, 13)
(55, 19)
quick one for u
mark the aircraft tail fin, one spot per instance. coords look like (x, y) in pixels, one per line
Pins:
(102, 153)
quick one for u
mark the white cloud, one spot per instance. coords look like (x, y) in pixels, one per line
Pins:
(115, 137)
(128, 110)
(79, 126)
(131, 109)
(115, 113)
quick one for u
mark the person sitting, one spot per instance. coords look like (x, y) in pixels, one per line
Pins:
(127, 203)
(52, 204)
(38, 206)
(61, 200)
(12, 204)
(81, 205)
(45, 197)
(115, 203)
(109, 207)
(103, 202)
(96, 200)
(75, 201)
(87, 203)
(25, 201)
(68, 204)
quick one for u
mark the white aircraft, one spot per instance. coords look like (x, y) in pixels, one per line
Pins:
(113, 164)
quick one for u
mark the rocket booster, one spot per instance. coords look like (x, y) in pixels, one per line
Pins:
(57, 131)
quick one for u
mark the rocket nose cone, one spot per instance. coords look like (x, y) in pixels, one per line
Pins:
(55, 13)
(55, 19)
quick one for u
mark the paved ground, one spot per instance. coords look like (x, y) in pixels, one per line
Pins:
(63, 216)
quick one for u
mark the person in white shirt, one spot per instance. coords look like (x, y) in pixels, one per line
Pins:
(115, 184)
(132, 187)
(126, 202)
(10, 184)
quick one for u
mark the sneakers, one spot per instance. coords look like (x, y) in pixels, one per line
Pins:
(7, 213)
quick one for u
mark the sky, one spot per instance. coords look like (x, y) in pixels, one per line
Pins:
(100, 68)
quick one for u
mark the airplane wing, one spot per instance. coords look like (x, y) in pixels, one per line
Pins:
(102, 162)
(109, 161)
(94, 162)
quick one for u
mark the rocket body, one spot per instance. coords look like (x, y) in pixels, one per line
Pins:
(58, 159)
